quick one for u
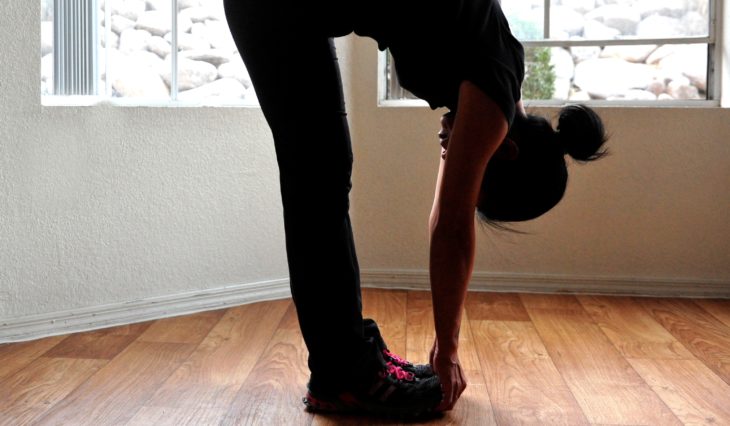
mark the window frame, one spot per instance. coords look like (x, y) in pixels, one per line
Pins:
(52, 100)
(715, 64)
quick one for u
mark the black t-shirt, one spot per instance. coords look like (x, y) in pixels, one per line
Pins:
(437, 44)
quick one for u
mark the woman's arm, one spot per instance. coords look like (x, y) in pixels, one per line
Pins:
(479, 128)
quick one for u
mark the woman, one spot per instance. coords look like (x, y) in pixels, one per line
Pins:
(457, 54)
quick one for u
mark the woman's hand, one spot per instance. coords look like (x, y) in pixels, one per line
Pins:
(448, 369)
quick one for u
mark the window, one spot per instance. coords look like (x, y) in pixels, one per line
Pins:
(141, 51)
(609, 50)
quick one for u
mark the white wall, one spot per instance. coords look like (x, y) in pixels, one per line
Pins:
(658, 208)
(108, 205)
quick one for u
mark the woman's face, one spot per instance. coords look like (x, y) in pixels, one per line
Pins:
(447, 123)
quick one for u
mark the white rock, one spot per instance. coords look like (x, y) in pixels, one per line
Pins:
(187, 41)
(132, 40)
(212, 56)
(623, 18)
(216, 33)
(184, 4)
(160, 5)
(159, 46)
(250, 96)
(113, 39)
(584, 53)
(665, 97)
(694, 24)
(689, 61)
(657, 87)
(682, 89)
(137, 75)
(156, 22)
(223, 89)
(130, 9)
(198, 14)
(564, 19)
(657, 26)
(192, 74)
(562, 62)
(597, 31)
(634, 95)
(631, 53)
(150, 60)
(46, 37)
(120, 23)
(603, 78)
(660, 53)
(580, 96)
(562, 88)
(184, 24)
(235, 69)
(580, 6)
(672, 8)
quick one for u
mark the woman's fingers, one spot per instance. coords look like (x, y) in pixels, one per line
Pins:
(452, 382)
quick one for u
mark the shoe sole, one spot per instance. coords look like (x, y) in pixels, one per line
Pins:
(348, 404)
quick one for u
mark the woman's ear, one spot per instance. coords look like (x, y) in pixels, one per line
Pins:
(508, 150)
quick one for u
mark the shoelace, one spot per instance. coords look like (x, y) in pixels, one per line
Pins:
(399, 373)
(396, 358)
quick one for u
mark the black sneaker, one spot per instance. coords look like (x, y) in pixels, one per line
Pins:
(388, 390)
(421, 371)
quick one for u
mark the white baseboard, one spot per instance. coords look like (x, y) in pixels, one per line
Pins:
(563, 284)
(95, 317)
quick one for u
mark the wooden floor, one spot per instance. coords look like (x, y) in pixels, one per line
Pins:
(529, 359)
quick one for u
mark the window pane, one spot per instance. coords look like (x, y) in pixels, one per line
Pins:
(209, 66)
(135, 34)
(600, 19)
(644, 73)
(46, 47)
(526, 18)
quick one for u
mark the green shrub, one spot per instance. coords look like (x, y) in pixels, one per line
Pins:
(539, 74)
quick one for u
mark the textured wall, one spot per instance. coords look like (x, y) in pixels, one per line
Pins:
(656, 208)
(110, 204)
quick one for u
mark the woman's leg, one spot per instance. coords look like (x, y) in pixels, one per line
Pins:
(295, 74)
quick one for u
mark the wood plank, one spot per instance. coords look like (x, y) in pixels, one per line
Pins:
(272, 393)
(171, 416)
(213, 374)
(700, 332)
(557, 302)
(183, 329)
(606, 387)
(632, 330)
(16, 356)
(524, 384)
(114, 394)
(719, 308)
(691, 390)
(474, 406)
(495, 307)
(28, 394)
(388, 309)
(99, 344)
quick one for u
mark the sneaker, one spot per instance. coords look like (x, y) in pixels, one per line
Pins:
(388, 390)
(421, 371)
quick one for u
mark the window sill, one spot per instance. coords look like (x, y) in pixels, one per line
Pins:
(96, 101)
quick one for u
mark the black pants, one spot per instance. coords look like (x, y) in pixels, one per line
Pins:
(294, 70)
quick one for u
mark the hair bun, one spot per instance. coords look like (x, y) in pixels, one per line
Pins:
(581, 133)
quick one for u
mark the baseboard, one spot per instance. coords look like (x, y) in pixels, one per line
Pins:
(546, 283)
(95, 317)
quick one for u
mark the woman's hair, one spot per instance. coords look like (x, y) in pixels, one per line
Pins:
(533, 183)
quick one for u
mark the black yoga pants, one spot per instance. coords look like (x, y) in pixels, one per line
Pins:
(294, 71)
